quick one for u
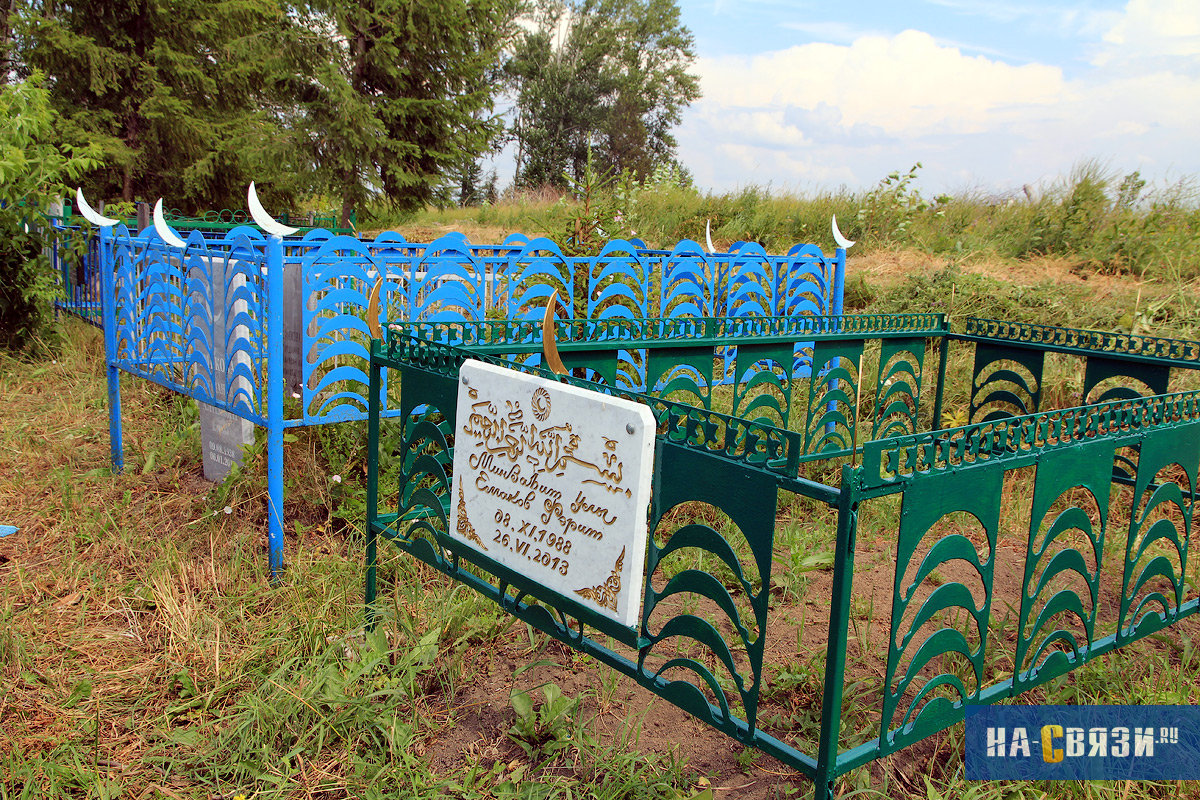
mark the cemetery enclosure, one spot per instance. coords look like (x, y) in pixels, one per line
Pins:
(78, 278)
(989, 593)
(271, 332)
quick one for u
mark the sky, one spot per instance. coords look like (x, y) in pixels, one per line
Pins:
(989, 95)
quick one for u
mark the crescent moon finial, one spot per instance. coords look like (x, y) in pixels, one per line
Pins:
(160, 225)
(708, 235)
(373, 310)
(550, 355)
(841, 240)
(262, 218)
(90, 213)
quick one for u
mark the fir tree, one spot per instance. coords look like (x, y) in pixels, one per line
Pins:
(408, 97)
(173, 91)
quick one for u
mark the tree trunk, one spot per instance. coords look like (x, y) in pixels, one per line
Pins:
(347, 208)
(133, 122)
(520, 131)
(130, 136)
(350, 187)
(6, 13)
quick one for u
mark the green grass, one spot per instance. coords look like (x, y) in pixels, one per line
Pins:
(1093, 217)
(142, 652)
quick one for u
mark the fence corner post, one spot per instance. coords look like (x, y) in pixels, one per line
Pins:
(839, 625)
(108, 318)
(376, 410)
(276, 384)
(838, 290)
(943, 355)
(837, 306)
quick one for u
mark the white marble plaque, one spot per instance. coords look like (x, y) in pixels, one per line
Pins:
(553, 481)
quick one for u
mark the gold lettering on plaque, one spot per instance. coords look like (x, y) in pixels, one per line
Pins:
(511, 457)
(541, 404)
(548, 475)
(549, 449)
(606, 593)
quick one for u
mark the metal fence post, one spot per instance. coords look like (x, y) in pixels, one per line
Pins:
(108, 308)
(376, 405)
(839, 281)
(276, 384)
(943, 355)
(839, 624)
(836, 308)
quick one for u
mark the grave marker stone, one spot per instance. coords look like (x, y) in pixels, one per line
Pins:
(222, 433)
(553, 481)
(293, 321)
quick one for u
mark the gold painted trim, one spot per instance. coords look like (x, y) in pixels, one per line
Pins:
(605, 595)
(550, 355)
(465, 528)
(373, 311)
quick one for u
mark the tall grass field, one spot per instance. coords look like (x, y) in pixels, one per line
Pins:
(1096, 218)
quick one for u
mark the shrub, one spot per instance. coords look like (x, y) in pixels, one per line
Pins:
(33, 172)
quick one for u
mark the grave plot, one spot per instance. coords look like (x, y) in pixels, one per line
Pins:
(78, 274)
(661, 498)
(271, 331)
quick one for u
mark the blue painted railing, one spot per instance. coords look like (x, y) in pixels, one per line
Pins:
(78, 278)
(294, 310)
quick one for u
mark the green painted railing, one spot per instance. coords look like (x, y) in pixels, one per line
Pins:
(1022, 544)
(227, 219)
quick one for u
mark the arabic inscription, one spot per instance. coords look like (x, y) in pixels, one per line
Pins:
(553, 481)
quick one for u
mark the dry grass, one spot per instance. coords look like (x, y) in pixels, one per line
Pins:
(119, 592)
(143, 654)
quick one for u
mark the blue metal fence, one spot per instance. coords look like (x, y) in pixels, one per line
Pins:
(240, 320)
(78, 276)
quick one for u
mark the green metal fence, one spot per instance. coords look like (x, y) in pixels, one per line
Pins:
(1049, 528)
(227, 219)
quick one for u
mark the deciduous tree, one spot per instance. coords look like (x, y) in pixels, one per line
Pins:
(34, 171)
(611, 75)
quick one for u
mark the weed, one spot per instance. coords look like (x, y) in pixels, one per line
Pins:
(889, 210)
(545, 730)
(1093, 218)
(748, 757)
(858, 294)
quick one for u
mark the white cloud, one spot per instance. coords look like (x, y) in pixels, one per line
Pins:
(1155, 28)
(1070, 18)
(767, 129)
(903, 84)
(840, 32)
(832, 113)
